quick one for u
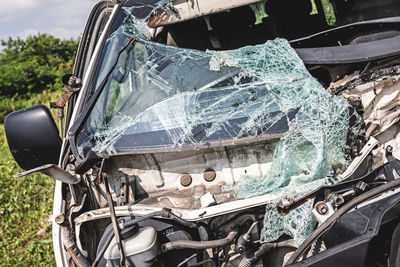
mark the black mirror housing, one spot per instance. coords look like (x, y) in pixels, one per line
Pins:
(32, 137)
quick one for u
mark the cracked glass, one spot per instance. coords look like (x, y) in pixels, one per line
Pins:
(163, 98)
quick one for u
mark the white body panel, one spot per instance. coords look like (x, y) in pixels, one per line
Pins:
(59, 251)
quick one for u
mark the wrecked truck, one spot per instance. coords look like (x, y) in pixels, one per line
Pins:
(225, 133)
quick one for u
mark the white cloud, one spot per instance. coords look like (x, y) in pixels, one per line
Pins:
(13, 9)
(62, 18)
(25, 33)
(66, 33)
(11, 6)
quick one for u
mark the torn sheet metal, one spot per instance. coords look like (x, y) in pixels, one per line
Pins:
(389, 137)
(379, 92)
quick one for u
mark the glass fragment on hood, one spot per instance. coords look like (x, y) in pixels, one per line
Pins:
(310, 151)
(163, 98)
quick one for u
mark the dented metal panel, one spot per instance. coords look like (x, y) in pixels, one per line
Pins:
(160, 174)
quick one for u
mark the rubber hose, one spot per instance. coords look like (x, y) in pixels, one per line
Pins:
(142, 218)
(181, 244)
(100, 255)
(263, 249)
(345, 208)
(182, 221)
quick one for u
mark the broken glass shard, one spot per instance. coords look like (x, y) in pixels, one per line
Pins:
(165, 98)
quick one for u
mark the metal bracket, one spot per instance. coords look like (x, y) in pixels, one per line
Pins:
(53, 171)
(322, 211)
(382, 174)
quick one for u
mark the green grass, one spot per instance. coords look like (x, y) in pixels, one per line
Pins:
(25, 206)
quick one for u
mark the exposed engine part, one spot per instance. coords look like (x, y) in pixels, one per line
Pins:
(253, 257)
(382, 174)
(180, 244)
(186, 179)
(209, 175)
(126, 223)
(181, 179)
(322, 211)
(245, 239)
(345, 208)
(117, 233)
(141, 249)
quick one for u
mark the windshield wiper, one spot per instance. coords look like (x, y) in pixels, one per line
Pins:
(82, 163)
(311, 53)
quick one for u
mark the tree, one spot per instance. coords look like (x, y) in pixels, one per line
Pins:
(35, 64)
(32, 66)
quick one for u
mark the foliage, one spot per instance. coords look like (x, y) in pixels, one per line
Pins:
(32, 66)
(25, 207)
(30, 73)
(329, 12)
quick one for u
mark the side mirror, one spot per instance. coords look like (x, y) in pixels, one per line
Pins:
(32, 137)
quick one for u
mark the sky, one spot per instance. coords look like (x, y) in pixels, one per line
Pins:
(61, 18)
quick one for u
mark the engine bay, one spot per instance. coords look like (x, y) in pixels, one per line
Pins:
(213, 141)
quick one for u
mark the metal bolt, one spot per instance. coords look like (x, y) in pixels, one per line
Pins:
(60, 218)
(72, 81)
(209, 175)
(71, 168)
(322, 208)
(339, 200)
(186, 179)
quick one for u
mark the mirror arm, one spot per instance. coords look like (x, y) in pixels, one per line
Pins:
(53, 171)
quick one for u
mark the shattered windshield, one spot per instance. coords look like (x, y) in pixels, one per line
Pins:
(165, 97)
(162, 98)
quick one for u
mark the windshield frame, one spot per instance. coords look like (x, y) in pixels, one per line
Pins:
(90, 99)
